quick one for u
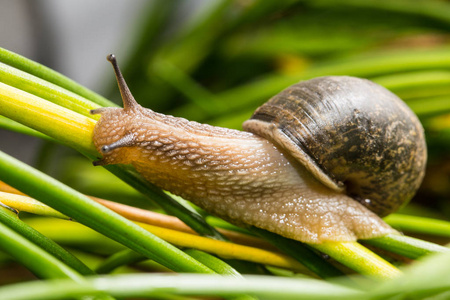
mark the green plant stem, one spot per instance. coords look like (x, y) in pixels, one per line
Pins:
(148, 286)
(128, 257)
(26, 204)
(45, 243)
(53, 120)
(416, 224)
(71, 233)
(41, 263)
(218, 265)
(359, 258)
(423, 279)
(40, 71)
(11, 125)
(220, 223)
(86, 211)
(46, 90)
(121, 258)
(406, 246)
(301, 253)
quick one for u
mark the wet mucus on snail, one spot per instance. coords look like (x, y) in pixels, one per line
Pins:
(323, 160)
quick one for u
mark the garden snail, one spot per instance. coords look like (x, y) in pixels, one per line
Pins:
(320, 161)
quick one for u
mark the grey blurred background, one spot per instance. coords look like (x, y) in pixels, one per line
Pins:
(72, 37)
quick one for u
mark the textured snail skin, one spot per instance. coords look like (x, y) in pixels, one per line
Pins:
(233, 174)
(236, 175)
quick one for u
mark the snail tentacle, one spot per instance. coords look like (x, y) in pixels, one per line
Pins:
(128, 100)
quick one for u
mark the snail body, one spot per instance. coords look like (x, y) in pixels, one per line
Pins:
(268, 177)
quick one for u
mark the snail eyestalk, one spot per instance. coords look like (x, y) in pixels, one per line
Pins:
(127, 97)
(126, 141)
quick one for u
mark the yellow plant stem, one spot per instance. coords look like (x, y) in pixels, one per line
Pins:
(27, 204)
(17, 200)
(170, 222)
(9, 189)
(359, 258)
(224, 249)
(181, 239)
(46, 117)
(54, 228)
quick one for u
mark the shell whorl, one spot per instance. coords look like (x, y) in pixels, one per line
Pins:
(350, 133)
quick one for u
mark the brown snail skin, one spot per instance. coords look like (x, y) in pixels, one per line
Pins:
(321, 161)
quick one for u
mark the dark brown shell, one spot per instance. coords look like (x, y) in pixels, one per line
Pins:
(349, 132)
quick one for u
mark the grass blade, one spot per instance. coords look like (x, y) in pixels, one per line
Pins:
(19, 62)
(406, 246)
(426, 278)
(45, 243)
(53, 120)
(301, 253)
(121, 258)
(359, 258)
(41, 263)
(219, 266)
(416, 224)
(48, 91)
(146, 285)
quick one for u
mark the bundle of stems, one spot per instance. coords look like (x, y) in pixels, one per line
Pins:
(108, 236)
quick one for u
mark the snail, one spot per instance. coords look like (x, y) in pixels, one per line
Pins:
(321, 161)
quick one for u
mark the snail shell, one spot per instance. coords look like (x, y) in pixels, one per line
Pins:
(351, 134)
